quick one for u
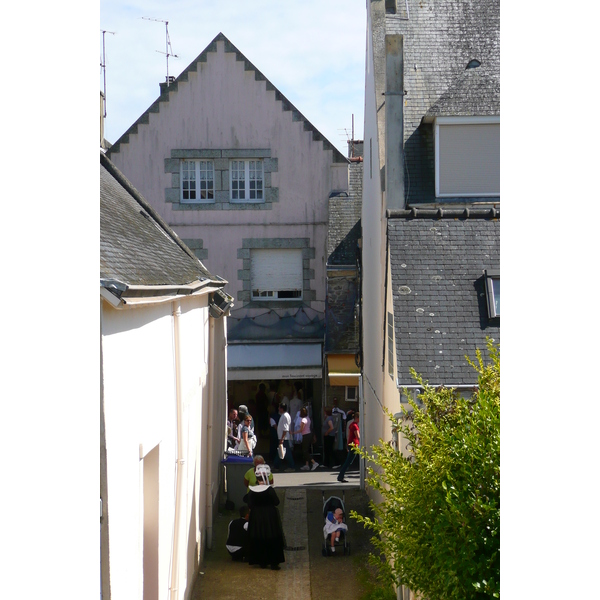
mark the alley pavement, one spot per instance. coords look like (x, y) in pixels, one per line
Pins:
(306, 573)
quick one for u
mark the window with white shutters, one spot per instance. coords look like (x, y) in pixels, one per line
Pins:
(467, 156)
(276, 274)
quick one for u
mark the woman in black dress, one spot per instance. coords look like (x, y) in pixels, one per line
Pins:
(265, 532)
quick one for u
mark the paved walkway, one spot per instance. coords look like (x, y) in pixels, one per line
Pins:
(297, 562)
(305, 574)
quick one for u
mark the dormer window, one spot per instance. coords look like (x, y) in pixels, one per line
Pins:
(492, 292)
(467, 156)
(473, 64)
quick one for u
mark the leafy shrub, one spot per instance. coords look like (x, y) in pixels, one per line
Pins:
(437, 529)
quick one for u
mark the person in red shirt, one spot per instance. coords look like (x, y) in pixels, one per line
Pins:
(353, 442)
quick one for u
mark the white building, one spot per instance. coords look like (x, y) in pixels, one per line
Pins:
(163, 381)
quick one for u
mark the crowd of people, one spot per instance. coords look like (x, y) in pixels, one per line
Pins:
(257, 535)
(290, 430)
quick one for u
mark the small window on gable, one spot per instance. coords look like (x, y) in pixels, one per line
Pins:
(492, 292)
(197, 181)
(246, 180)
(467, 156)
(276, 274)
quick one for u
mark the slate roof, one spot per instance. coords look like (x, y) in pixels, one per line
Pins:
(344, 233)
(137, 248)
(474, 92)
(182, 79)
(341, 322)
(440, 311)
(344, 230)
(440, 38)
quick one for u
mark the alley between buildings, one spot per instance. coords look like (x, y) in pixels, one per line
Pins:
(306, 573)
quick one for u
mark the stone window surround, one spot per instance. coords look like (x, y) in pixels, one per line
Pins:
(221, 159)
(244, 295)
(197, 247)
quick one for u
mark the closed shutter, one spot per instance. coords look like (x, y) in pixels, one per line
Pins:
(276, 273)
(469, 160)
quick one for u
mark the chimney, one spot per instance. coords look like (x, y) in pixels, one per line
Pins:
(355, 148)
(394, 122)
(164, 85)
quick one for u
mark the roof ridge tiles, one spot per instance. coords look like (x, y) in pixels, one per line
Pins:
(444, 213)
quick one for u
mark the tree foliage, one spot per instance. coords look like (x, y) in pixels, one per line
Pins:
(437, 529)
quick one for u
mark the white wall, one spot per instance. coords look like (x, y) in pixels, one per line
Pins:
(373, 261)
(140, 415)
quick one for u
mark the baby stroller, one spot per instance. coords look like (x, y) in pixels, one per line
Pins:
(335, 523)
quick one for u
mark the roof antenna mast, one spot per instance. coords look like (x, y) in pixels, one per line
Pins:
(103, 64)
(168, 47)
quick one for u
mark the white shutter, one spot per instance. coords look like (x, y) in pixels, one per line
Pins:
(276, 269)
(468, 159)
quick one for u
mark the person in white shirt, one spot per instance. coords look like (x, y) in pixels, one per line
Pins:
(284, 436)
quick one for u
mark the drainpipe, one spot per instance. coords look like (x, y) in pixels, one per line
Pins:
(180, 457)
(211, 399)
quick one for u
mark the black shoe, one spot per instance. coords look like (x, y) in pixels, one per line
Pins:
(342, 480)
(275, 567)
(263, 566)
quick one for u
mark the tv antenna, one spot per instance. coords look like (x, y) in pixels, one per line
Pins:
(345, 133)
(103, 64)
(168, 47)
(349, 136)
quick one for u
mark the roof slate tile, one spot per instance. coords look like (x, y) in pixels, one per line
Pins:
(455, 305)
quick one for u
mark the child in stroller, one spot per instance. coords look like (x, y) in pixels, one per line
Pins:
(335, 530)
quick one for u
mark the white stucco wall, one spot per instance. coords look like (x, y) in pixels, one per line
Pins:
(373, 259)
(140, 413)
(222, 106)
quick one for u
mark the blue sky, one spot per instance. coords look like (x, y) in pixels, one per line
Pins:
(313, 51)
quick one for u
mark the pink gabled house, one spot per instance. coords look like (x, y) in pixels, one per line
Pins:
(244, 179)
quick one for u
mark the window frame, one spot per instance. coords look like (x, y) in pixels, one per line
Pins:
(249, 166)
(198, 164)
(450, 121)
(492, 275)
(351, 387)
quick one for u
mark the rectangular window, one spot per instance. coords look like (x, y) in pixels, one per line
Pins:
(276, 274)
(246, 179)
(492, 289)
(197, 181)
(351, 394)
(390, 341)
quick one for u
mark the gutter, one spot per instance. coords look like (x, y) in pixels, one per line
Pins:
(454, 386)
(119, 294)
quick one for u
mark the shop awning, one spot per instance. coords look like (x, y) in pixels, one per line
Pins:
(342, 370)
(274, 361)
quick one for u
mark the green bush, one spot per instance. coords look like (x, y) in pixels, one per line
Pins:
(437, 529)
